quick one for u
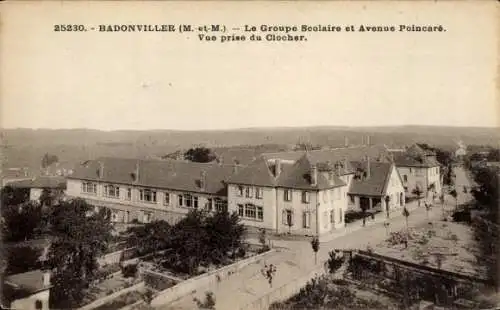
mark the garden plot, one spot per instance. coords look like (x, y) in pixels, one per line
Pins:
(443, 245)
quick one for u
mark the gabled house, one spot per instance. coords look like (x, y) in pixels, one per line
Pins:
(146, 190)
(375, 186)
(28, 290)
(286, 196)
(55, 185)
(419, 169)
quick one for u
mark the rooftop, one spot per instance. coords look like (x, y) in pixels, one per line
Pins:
(41, 182)
(168, 174)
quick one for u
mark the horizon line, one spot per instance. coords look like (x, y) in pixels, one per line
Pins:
(249, 128)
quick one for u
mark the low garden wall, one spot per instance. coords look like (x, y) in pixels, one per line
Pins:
(202, 281)
(110, 298)
(115, 257)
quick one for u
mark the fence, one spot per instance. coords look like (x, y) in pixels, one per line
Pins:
(286, 291)
(202, 281)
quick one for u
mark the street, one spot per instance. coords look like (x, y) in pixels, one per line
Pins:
(298, 260)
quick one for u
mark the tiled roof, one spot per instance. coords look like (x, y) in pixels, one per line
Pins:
(405, 159)
(41, 182)
(259, 173)
(296, 175)
(375, 184)
(31, 281)
(375, 152)
(168, 174)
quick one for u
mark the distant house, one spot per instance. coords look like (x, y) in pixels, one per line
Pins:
(58, 169)
(146, 190)
(418, 169)
(461, 151)
(38, 184)
(376, 185)
(28, 290)
(10, 175)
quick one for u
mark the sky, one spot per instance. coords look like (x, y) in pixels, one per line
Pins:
(142, 81)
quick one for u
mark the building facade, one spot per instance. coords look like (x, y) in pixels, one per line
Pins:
(296, 197)
(143, 191)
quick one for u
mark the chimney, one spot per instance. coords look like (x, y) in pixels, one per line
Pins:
(203, 180)
(100, 171)
(136, 172)
(330, 177)
(367, 140)
(368, 167)
(235, 169)
(346, 142)
(277, 167)
(46, 279)
(338, 167)
(314, 175)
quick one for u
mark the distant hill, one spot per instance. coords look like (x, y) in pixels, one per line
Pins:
(25, 147)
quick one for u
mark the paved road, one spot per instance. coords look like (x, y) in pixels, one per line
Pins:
(249, 285)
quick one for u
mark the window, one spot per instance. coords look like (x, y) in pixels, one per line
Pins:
(240, 191)
(305, 197)
(260, 213)
(195, 201)
(166, 199)
(188, 201)
(147, 216)
(287, 217)
(288, 195)
(332, 216)
(250, 211)
(111, 191)
(258, 193)
(129, 194)
(405, 178)
(220, 205)
(38, 304)
(181, 200)
(241, 210)
(340, 216)
(147, 195)
(248, 192)
(306, 219)
(89, 188)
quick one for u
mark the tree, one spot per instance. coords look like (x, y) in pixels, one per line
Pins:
(14, 196)
(199, 155)
(334, 261)
(417, 192)
(208, 303)
(22, 259)
(151, 237)
(48, 160)
(268, 272)
(454, 194)
(387, 201)
(79, 238)
(428, 207)
(21, 222)
(315, 248)
(406, 214)
(225, 233)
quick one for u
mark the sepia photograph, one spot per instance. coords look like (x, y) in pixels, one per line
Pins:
(249, 155)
